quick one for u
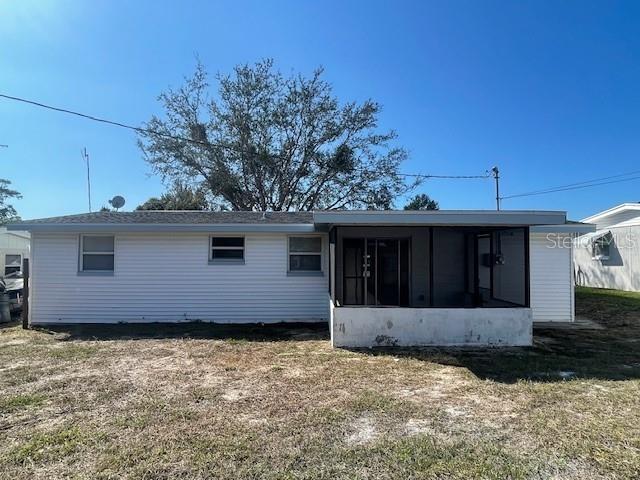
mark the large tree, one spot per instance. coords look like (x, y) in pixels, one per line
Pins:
(179, 197)
(7, 211)
(274, 142)
(422, 201)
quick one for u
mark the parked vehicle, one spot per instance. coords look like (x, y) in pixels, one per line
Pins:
(13, 284)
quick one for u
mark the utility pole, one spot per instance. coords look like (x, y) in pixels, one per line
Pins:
(496, 176)
(85, 157)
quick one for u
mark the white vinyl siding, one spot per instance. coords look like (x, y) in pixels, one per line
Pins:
(551, 285)
(167, 278)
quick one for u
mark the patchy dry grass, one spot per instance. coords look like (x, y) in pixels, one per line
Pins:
(203, 402)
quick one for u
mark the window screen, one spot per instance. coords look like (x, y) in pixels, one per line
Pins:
(227, 249)
(602, 247)
(97, 254)
(305, 254)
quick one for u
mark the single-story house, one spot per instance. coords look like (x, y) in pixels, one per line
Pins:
(610, 256)
(379, 277)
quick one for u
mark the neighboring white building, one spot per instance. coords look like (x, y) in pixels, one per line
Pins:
(14, 247)
(379, 278)
(610, 256)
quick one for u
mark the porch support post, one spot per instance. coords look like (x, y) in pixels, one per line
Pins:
(527, 269)
(431, 286)
(332, 263)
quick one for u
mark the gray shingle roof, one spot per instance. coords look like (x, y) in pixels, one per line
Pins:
(176, 217)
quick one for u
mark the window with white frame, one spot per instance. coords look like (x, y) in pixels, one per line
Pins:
(12, 263)
(96, 253)
(227, 249)
(305, 254)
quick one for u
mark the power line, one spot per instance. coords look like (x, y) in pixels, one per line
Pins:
(191, 140)
(552, 189)
(418, 175)
(120, 124)
(577, 186)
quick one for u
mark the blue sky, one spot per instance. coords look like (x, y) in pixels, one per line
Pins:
(549, 91)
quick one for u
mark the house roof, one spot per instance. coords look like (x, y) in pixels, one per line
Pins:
(612, 211)
(188, 217)
(172, 220)
(293, 222)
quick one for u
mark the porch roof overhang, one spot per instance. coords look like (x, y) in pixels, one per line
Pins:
(505, 218)
(577, 228)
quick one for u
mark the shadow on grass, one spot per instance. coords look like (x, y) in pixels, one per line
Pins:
(195, 330)
(557, 355)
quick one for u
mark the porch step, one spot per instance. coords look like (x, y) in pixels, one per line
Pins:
(580, 323)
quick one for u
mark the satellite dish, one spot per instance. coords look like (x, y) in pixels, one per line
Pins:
(117, 202)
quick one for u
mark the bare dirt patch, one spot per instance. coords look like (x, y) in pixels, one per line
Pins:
(195, 405)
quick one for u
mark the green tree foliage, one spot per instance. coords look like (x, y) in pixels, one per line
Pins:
(7, 211)
(274, 142)
(422, 202)
(179, 197)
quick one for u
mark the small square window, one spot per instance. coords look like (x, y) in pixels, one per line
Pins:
(227, 249)
(97, 253)
(305, 254)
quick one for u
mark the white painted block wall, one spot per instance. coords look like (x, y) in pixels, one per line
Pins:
(167, 278)
(375, 327)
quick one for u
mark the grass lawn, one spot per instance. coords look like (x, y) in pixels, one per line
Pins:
(196, 401)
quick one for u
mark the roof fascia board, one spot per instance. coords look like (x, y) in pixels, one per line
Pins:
(148, 227)
(567, 228)
(19, 233)
(442, 218)
(611, 211)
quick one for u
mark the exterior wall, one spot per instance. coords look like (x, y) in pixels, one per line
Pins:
(551, 280)
(13, 243)
(621, 271)
(167, 278)
(374, 327)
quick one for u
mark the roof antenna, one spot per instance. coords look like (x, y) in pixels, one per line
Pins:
(85, 157)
